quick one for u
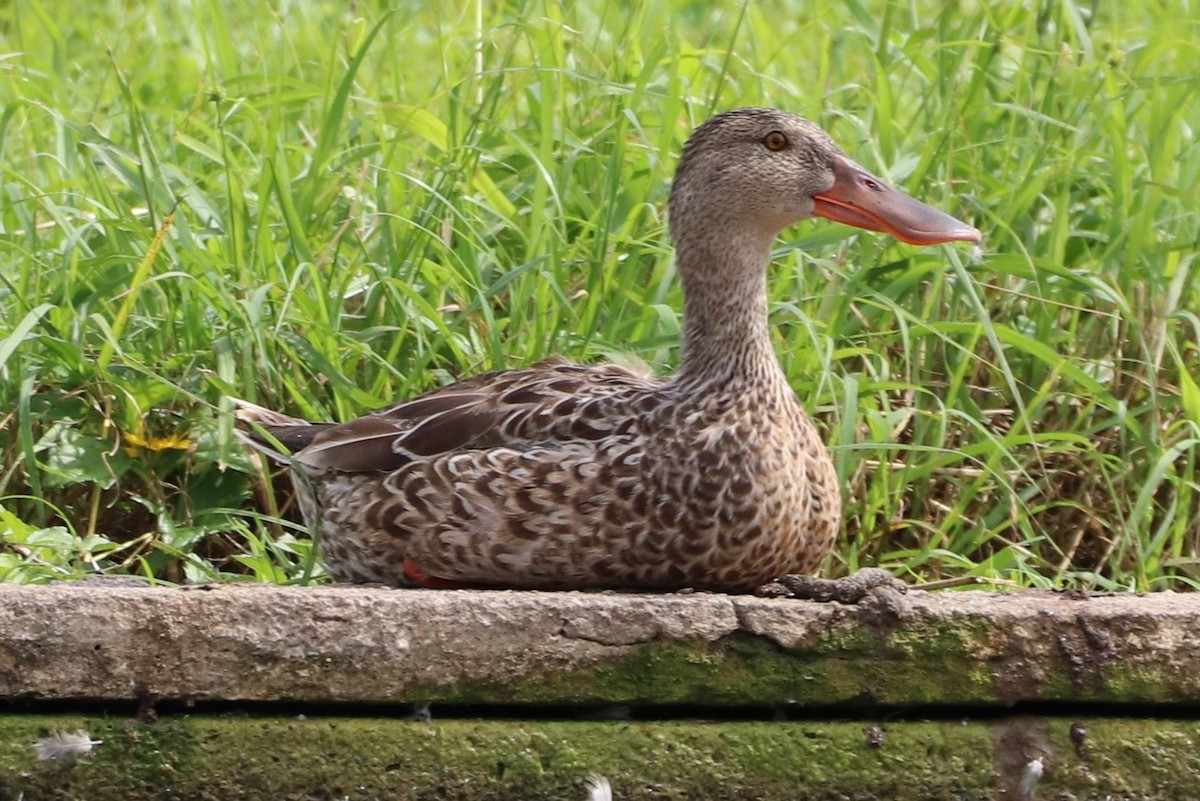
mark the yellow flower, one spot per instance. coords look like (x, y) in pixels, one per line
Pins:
(174, 442)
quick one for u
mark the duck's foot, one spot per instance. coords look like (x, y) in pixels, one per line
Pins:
(848, 590)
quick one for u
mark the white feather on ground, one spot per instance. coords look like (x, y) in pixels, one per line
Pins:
(1029, 779)
(599, 789)
(64, 746)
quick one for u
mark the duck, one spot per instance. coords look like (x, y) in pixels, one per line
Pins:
(566, 476)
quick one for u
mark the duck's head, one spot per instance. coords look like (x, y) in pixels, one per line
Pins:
(755, 171)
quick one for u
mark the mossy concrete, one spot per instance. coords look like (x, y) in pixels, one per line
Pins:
(377, 646)
(374, 652)
(232, 757)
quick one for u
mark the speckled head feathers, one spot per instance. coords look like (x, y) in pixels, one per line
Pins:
(761, 166)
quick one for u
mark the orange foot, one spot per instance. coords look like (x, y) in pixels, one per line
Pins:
(417, 576)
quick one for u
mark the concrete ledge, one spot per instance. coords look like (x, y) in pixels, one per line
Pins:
(352, 645)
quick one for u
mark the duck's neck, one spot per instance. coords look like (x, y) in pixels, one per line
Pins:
(725, 333)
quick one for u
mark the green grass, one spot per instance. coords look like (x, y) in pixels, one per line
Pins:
(322, 212)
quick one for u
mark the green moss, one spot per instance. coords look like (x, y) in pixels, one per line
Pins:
(233, 757)
(1152, 759)
(1165, 684)
(847, 666)
(918, 665)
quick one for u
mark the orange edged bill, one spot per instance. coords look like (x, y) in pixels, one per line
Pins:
(863, 200)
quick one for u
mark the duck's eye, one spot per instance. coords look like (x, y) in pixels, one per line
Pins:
(775, 140)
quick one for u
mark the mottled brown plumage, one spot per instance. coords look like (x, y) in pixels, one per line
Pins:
(567, 476)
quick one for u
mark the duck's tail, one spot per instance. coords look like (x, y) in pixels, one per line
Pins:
(266, 430)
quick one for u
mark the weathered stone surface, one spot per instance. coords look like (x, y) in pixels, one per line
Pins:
(289, 759)
(353, 644)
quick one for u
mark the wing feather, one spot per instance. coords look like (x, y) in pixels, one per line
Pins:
(552, 401)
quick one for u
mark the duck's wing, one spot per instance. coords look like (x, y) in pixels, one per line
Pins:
(552, 401)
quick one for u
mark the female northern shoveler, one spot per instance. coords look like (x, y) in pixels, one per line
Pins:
(568, 476)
